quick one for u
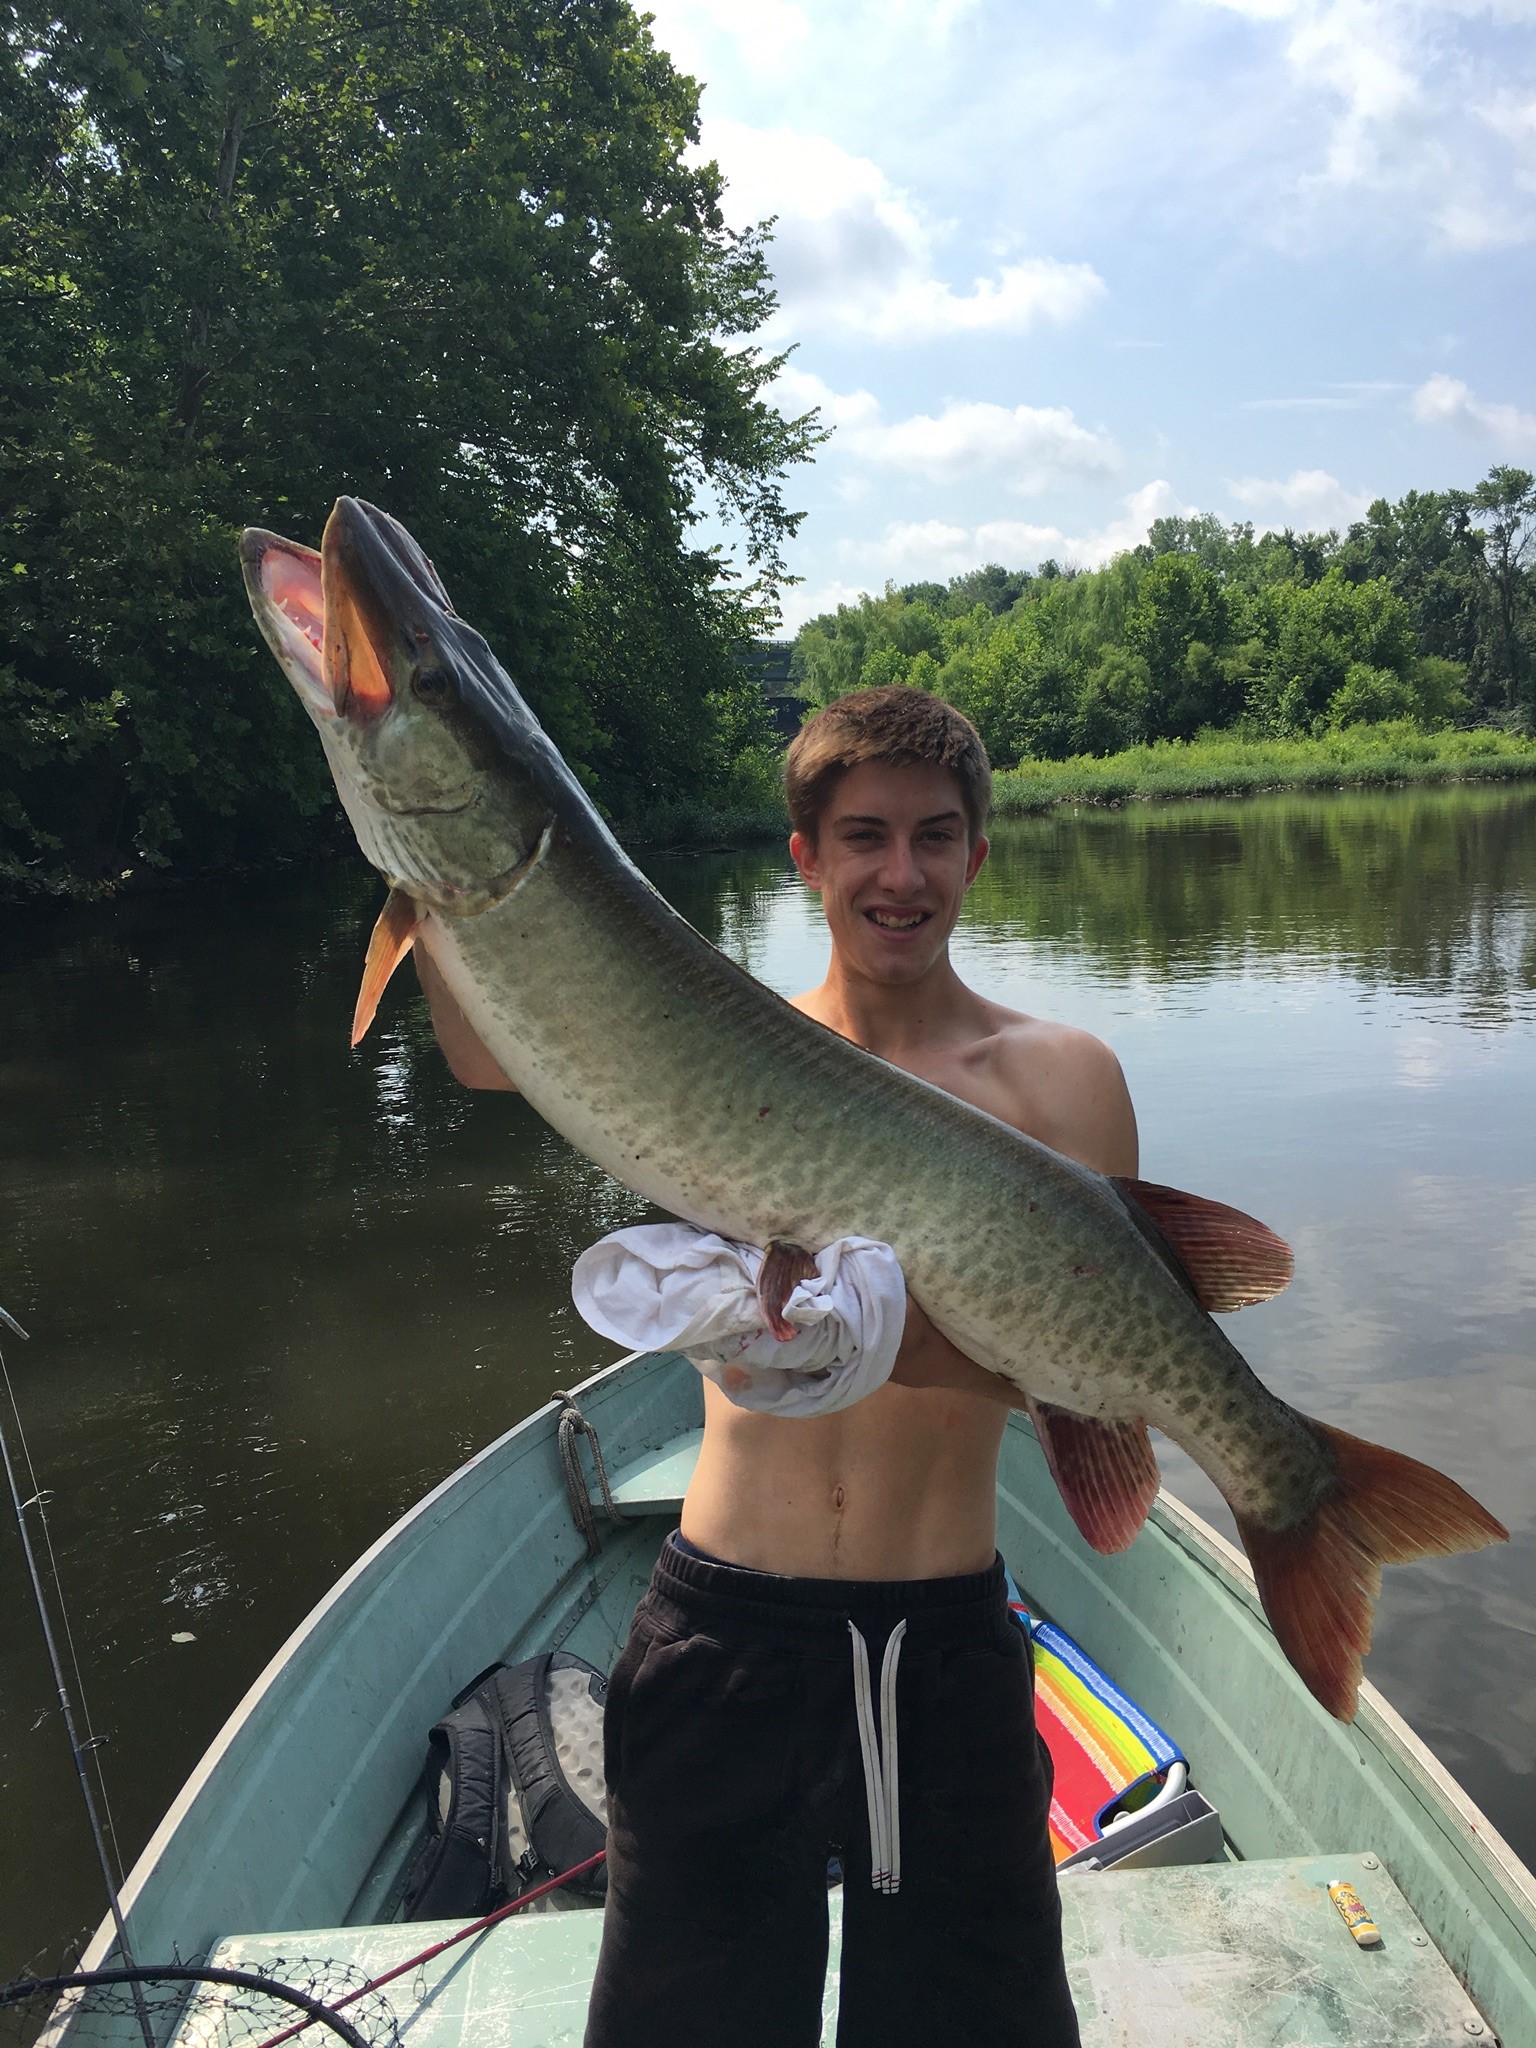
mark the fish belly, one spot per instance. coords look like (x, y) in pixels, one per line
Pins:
(703, 1092)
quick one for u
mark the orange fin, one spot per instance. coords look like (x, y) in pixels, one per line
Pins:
(393, 937)
(784, 1266)
(1105, 1472)
(1231, 1260)
(1319, 1580)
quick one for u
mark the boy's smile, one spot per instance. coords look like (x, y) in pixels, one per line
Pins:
(892, 860)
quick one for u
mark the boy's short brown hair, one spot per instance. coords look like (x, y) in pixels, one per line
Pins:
(897, 724)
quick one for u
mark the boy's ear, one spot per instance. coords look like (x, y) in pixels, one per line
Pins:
(802, 851)
(980, 848)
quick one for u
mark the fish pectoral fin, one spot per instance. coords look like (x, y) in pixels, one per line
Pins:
(1319, 1579)
(1105, 1472)
(1231, 1260)
(784, 1266)
(393, 937)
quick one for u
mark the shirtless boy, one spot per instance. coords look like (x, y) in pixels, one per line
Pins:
(734, 1759)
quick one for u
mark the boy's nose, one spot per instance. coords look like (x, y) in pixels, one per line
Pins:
(899, 871)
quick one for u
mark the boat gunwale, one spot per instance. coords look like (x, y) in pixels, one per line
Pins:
(104, 1942)
(1400, 1745)
(1490, 1869)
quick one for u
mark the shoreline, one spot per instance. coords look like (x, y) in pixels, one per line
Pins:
(1168, 771)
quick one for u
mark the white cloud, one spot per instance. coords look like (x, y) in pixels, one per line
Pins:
(910, 551)
(768, 34)
(1447, 401)
(799, 391)
(1397, 96)
(809, 600)
(1310, 498)
(1034, 445)
(1485, 223)
(852, 255)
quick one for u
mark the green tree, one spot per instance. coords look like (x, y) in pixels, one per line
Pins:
(1318, 632)
(1504, 505)
(454, 257)
(1018, 690)
(1430, 554)
(995, 588)
(1179, 625)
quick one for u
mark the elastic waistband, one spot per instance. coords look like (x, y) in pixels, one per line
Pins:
(968, 1611)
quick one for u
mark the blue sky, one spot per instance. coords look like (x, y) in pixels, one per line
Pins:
(1053, 269)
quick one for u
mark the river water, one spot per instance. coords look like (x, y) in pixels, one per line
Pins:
(277, 1290)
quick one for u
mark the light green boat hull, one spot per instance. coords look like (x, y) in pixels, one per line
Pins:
(300, 1814)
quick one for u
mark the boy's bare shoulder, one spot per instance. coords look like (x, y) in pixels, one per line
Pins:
(1065, 1087)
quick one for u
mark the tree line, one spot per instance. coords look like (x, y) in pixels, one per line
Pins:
(1425, 610)
(453, 256)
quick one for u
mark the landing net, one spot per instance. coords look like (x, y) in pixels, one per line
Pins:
(198, 2006)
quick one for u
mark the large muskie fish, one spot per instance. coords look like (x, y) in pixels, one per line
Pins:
(703, 1091)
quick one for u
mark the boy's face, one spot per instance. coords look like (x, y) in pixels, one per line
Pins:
(892, 860)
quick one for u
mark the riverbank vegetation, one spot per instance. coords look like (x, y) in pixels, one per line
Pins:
(1217, 764)
(1209, 660)
(1424, 613)
(458, 260)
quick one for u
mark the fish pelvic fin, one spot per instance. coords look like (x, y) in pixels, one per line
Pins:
(1319, 1579)
(1231, 1260)
(1105, 1472)
(784, 1266)
(393, 937)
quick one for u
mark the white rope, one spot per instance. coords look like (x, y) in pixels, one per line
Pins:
(882, 1794)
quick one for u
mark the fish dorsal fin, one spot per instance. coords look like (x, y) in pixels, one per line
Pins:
(393, 937)
(1104, 1471)
(1232, 1260)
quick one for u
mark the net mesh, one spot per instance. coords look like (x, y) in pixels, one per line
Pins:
(195, 2006)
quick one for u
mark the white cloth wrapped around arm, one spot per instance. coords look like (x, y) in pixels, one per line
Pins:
(670, 1287)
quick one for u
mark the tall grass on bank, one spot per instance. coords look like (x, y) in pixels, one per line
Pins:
(1359, 757)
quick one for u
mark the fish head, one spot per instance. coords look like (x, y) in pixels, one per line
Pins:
(435, 756)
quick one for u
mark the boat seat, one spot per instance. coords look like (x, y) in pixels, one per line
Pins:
(1217, 1955)
(655, 1482)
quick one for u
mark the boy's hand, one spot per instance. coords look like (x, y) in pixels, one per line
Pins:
(928, 1359)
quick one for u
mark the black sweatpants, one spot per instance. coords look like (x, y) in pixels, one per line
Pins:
(735, 1769)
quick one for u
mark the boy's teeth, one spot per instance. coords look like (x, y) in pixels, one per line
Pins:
(899, 924)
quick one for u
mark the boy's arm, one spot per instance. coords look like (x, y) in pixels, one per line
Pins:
(1094, 1124)
(467, 1057)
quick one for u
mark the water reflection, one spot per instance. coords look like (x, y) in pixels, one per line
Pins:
(279, 1289)
(1431, 888)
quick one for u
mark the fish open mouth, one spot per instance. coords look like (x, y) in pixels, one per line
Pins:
(335, 614)
(286, 578)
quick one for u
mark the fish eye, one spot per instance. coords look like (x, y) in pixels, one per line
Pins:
(434, 686)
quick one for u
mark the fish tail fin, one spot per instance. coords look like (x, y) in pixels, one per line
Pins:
(1319, 1579)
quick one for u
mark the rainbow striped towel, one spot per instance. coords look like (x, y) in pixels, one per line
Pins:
(1102, 1745)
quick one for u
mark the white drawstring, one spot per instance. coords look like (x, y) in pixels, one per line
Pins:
(881, 1785)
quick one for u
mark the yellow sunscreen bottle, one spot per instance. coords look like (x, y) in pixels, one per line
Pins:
(1353, 1914)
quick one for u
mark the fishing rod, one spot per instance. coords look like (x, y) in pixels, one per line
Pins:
(78, 1750)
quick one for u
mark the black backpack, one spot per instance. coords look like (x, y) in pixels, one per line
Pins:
(515, 1790)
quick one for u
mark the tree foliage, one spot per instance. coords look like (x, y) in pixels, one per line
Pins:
(449, 255)
(1424, 611)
